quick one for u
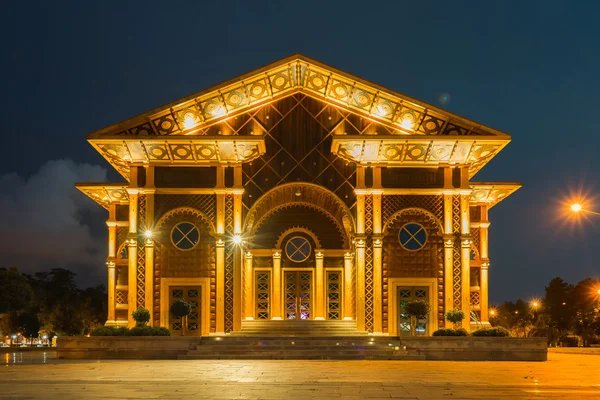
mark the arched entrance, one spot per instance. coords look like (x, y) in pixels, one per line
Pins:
(298, 258)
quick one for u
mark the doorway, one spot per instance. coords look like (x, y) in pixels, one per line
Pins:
(298, 298)
(189, 326)
(404, 295)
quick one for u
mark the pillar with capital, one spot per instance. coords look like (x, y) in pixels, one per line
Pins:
(276, 312)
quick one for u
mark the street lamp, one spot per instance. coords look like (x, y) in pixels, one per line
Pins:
(577, 208)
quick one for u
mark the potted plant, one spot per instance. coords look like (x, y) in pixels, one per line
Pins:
(141, 316)
(181, 309)
(456, 317)
(416, 309)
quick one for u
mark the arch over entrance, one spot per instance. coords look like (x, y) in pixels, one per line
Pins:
(306, 194)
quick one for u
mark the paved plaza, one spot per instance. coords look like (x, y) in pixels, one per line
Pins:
(41, 376)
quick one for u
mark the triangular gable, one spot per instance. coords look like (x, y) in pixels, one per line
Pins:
(193, 114)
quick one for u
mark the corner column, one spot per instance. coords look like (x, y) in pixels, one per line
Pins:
(110, 262)
(276, 305)
(132, 239)
(465, 244)
(485, 263)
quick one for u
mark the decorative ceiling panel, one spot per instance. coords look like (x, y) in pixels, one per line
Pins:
(105, 193)
(492, 193)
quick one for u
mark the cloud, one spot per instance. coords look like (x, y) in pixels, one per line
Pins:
(45, 221)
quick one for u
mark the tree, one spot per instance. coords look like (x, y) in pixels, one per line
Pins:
(181, 309)
(416, 309)
(16, 293)
(28, 324)
(586, 321)
(559, 306)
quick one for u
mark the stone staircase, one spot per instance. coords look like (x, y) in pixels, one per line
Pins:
(300, 340)
(300, 348)
(298, 328)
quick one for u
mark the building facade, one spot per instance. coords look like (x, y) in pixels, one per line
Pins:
(297, 192)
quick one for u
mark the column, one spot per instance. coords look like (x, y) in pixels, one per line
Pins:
(485, 262)
(149, 284)
(276, 282)
(248, 287)
(348, 309)
(448, 249)
(465, 244)
(377, 260)
(360, 283)
(110, 262)
(149, 244)
(132, 238)
(220, 289)
(319, 285)
(238, 253)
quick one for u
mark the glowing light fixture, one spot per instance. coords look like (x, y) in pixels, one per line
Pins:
(189, 121)
(237, 238)
(148, 234)
(535, 304)
(576, 207)
(492, 312)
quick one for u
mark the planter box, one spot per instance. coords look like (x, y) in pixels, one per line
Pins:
(124, 347)
(471, 348)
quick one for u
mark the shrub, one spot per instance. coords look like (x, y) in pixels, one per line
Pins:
(141, 316)
(148, 331)
(109, 331)
(136, 331)
(496, 332)
(450, 332)
(455, 316)
(417, 308)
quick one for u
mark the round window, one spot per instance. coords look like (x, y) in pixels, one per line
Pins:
(298, 249)
(412, 236)
(185, 236)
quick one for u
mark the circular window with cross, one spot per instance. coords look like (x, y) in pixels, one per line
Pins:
(185, 236)
(412, 236)
(298, 249)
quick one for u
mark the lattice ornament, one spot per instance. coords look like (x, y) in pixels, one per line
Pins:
(369, 282)
(229, 252)
(475, 299)
(298, 132)
(456, 254)
(141, 253)
(391, 204)
(476, 238)
(121, 297)
(206, 203)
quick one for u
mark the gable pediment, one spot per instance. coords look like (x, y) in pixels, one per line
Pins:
(228, 123)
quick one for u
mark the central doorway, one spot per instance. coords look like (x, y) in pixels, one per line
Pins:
(298, 298)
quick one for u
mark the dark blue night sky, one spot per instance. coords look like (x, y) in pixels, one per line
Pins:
(529, 68)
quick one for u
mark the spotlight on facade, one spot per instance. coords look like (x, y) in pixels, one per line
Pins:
(237, 238)
(148, 234)
(189, 122)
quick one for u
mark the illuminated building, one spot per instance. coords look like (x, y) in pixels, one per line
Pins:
(297, 191)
